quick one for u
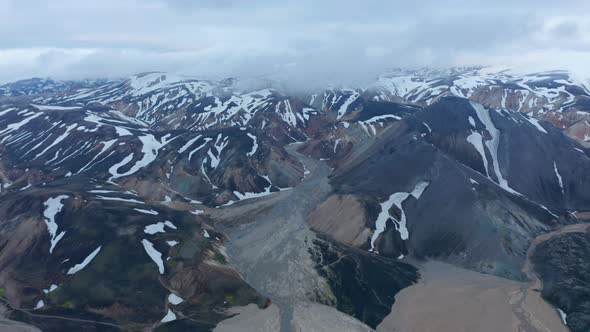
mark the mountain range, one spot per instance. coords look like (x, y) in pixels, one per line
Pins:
(170, 203)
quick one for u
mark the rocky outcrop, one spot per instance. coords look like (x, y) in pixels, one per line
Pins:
(563, 265)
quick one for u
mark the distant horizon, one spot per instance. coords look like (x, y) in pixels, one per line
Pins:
(260, 79)
(393, 70)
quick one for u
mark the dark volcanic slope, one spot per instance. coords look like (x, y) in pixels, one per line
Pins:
(534, 158)
(112, 257)
(364, 285)
(563, 264)
(480, 161)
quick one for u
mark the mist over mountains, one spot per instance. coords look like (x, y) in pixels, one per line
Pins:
(297, 41)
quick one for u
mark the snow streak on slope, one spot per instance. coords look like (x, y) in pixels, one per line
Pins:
(401, 86)
(152, 212)
(287, 113)
(190, 103)
(493, 144)
(75, 141)
(380, 119)
(16, 126)
(220, 144)
(150, 148)
(54, 108)
(336, 142)
(206, 140)
(559, 179)
(85, 262)
(57, 140)
(155, 255)
(119, 199)
(188, 144)
(158, 227)
(170, 316)
(254, 145)
(105, 146)
(396, 199)
(53, 206)
(476, 140)
(344, 107)
(249, 195)
(175, 299)
(563, 316)
(39, 305)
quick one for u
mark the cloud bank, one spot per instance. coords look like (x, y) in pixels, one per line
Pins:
(304, 41)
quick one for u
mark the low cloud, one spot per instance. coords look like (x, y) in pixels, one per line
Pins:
(305, 42)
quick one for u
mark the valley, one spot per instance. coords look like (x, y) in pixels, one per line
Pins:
(271, 245)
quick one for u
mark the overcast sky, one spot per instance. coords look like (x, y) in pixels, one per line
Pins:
(304, 40)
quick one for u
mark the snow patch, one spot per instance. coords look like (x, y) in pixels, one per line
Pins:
(342, 110)
(158, 227)
(155, 255)
(85, 262)
(219, 145)
(55, 108)
(119, 199)
(16, 126)
(170, 316)
(175, 299)
(249, 195)
(188, 144)
(152, 212)
(57, 140)
(105, 146)
(493, 144)
(476, 140)
(563, 316)
(122, 131)
(559, 179)
(254, 145)
(396, 199)
(336, 144)
(53, 206)
(39, 305)
(150, 148)
(50, 289)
